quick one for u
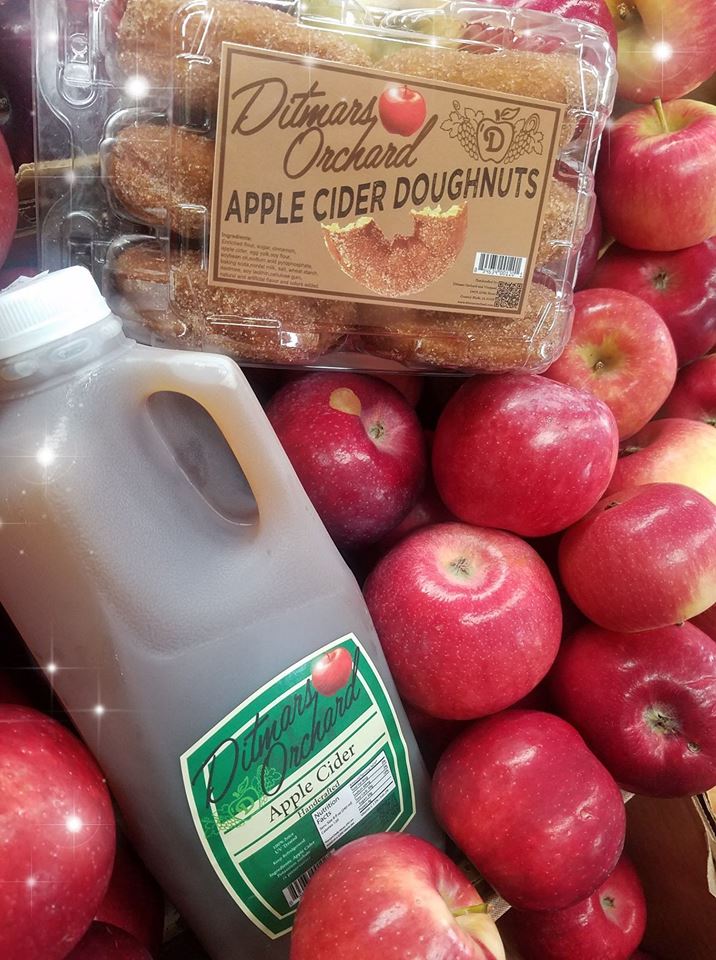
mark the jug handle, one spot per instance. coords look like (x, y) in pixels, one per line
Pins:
(218, 385)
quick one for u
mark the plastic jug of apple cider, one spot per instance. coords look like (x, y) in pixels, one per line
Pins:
(163, 563)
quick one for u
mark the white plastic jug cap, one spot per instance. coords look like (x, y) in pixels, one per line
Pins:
(35, 311)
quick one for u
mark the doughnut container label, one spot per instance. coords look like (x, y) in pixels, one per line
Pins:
(311, 761)
(351, 183)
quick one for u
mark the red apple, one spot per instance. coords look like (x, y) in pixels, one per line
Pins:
(669, 451)
(469, 619)
(621, 351)
(429, 509)
(105, 942)
(643, 558)
(392, 895)
(531, 807)
(590, 11)
(58, 836)
(358, 449)
(332, 671)
(410, 387)
(680, 286)
(8, 201)
(523, 453)
(666, 47)
(645, 703)
(608, 925)
(134, 902)
(706, 621)
(694, 396)
(589, 254)
(656, 178)
(402, 110)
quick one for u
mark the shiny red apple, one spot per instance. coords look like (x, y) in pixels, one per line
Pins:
(621, 351)
(669, 451)
(645, 703)
(332, 671)
(392, 895)
(643, 558)
(680, 286)
(656, 177)
(608, 925)
(523, 453)
(8, 201)
(402, 110)
(134, 901)
(532, 808)
(694, 395)
(469, 619)
(58, 836)
(106, 942)
(666, 47)
(358, 449)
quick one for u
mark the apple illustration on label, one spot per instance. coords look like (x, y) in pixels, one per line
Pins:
(332, 672)
(494, 137)
(402, 110)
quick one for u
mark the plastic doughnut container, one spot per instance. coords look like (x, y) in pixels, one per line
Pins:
(323, 184)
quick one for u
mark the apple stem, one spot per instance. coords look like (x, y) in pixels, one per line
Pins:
(475, 908)
(659, 107)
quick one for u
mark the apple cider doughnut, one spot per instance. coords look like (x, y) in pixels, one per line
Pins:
(433, 339)
(169, 42)
(155, 170)
(250, 325)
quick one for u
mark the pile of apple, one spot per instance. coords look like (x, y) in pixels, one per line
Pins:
(541, 571)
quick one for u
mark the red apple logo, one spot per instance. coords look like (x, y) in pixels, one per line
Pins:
(332, 672)
(402, 110)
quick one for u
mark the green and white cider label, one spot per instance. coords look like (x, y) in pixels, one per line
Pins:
(311, 761)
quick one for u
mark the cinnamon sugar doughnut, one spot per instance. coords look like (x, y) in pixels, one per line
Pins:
(155, 170)
(252, 326)
(158, 40)
(404, 264)
(550, 76)
(433, 339)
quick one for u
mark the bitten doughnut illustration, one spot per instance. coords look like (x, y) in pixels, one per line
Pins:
(405, 264)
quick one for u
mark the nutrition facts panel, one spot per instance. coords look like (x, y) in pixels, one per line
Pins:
(355, 801)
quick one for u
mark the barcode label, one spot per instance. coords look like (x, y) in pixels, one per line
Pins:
(500, 265)
(294, 891)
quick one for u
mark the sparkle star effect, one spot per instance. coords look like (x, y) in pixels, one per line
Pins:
(662, 51)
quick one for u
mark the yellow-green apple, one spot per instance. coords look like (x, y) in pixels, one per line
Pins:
(102, 941)
(656, 177)
(680, 286)
(608, 925)
(8, 201)
(694, 395)
(645, 703)
(357, 447)
(666, 47)
(621, 351)
(58, 836)
(706, 621)
(523, 453)
(392, 895)
(469, 619)
(669, 451)
(534, 810)
(643, 558)
(589, 254)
